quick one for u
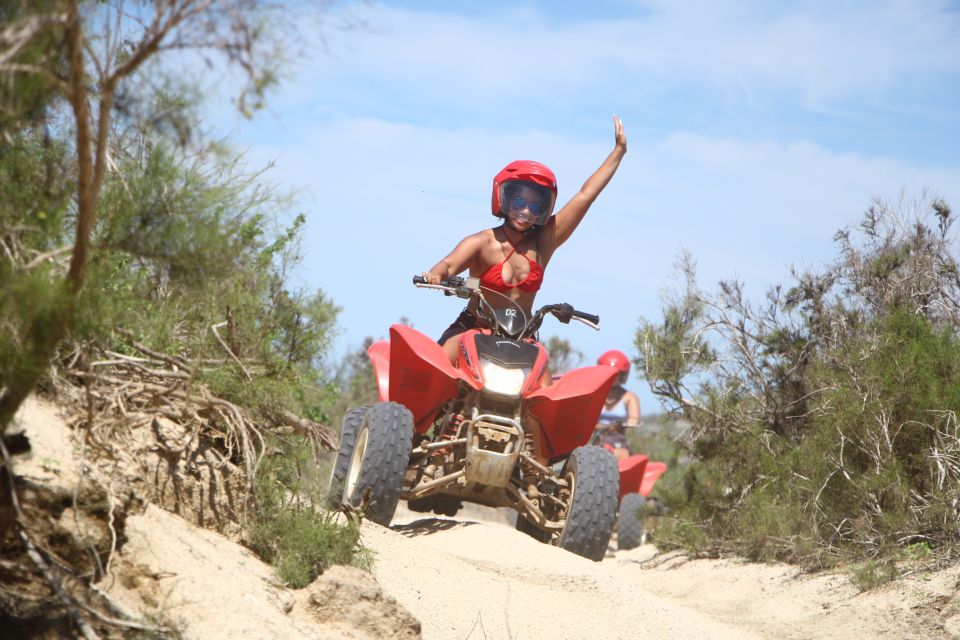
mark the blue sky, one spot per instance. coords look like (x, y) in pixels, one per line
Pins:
(756, 130)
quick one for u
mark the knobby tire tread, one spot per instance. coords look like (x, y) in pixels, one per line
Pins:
(593, 508)
(630, 521)
(348, 439)
(389, 442)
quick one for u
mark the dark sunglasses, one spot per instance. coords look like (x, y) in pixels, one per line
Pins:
(519, 202)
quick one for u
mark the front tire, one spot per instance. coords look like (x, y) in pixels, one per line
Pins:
(633, 509)
(378, 461)
(594, 479)
(348, 439)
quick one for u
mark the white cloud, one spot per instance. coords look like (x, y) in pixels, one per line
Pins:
(819, 52)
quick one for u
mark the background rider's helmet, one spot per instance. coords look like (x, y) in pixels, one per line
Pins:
(524, 173)
(619, 361)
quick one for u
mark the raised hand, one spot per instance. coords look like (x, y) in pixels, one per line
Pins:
(619, 136)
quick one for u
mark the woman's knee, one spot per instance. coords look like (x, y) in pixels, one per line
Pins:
(547, 378)
(450, 347)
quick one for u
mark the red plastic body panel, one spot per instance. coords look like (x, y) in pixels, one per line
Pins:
(468, 360)
(379, 353)
(650, 476)
(421, 376)
(632, 471)
(536, 372)
(568, 410)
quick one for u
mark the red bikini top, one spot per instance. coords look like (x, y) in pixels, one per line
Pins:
(492, 278)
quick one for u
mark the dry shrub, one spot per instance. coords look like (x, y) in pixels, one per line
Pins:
(824, 419)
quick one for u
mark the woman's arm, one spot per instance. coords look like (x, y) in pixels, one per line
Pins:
(632, 404)
(462, 257)
(572, 213)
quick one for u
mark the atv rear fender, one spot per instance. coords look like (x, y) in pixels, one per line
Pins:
(414, 370)
(632, 470)
(568, 410)
(650, 476)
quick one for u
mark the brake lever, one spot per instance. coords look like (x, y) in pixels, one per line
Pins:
(593, 326)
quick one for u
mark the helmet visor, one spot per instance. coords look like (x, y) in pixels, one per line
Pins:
(526, 201)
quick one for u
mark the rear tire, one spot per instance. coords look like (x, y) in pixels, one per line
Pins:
(378, 462)
(440, 504)
(595, 483)
(348, 438)
(633, 509)
(532, 530)
(421, 505)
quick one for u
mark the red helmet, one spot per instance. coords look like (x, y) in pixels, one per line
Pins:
(520, 175)
(618, 360)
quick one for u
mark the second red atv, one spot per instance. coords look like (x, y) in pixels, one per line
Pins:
(486, 431)
(638, 474)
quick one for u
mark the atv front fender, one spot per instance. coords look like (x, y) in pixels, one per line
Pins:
(568, 410)
(420, 375)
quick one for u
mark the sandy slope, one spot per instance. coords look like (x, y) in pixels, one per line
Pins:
(475, 577)
(466, 579)
(457, 575)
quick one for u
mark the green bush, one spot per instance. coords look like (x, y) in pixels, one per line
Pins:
(289, 529)
(191, 257)
(824, 422)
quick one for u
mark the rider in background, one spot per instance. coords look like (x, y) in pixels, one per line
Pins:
(510, 259)
(622, 407)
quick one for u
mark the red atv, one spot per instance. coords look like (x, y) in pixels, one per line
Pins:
(638, 474)
(486, 431)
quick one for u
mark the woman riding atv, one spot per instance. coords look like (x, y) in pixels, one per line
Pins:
(510, 259)
(622, 408)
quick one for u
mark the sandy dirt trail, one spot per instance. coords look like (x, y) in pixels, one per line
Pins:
(475, 577)
(463, 578)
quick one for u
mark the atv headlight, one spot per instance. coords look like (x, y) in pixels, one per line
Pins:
(502, 380)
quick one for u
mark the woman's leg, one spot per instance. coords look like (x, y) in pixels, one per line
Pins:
(450, 337)
(547, 378)
(450, 346)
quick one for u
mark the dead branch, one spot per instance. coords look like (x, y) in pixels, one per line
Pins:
(17, 35)
(233, 356)
(170, 359)
(322, 433)
(43, 257)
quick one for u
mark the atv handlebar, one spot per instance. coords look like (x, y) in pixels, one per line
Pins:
(564, 313)
(468, 287)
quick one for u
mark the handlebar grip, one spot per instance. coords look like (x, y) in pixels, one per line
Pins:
(452, 281)
(589, 317)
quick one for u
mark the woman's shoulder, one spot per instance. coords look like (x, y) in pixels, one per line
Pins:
(616, 394)
(486, 238)
(478, 239)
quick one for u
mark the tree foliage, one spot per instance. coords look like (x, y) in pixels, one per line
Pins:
(70, 64)
(563, 355)
(152, 269)
(823, 420)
